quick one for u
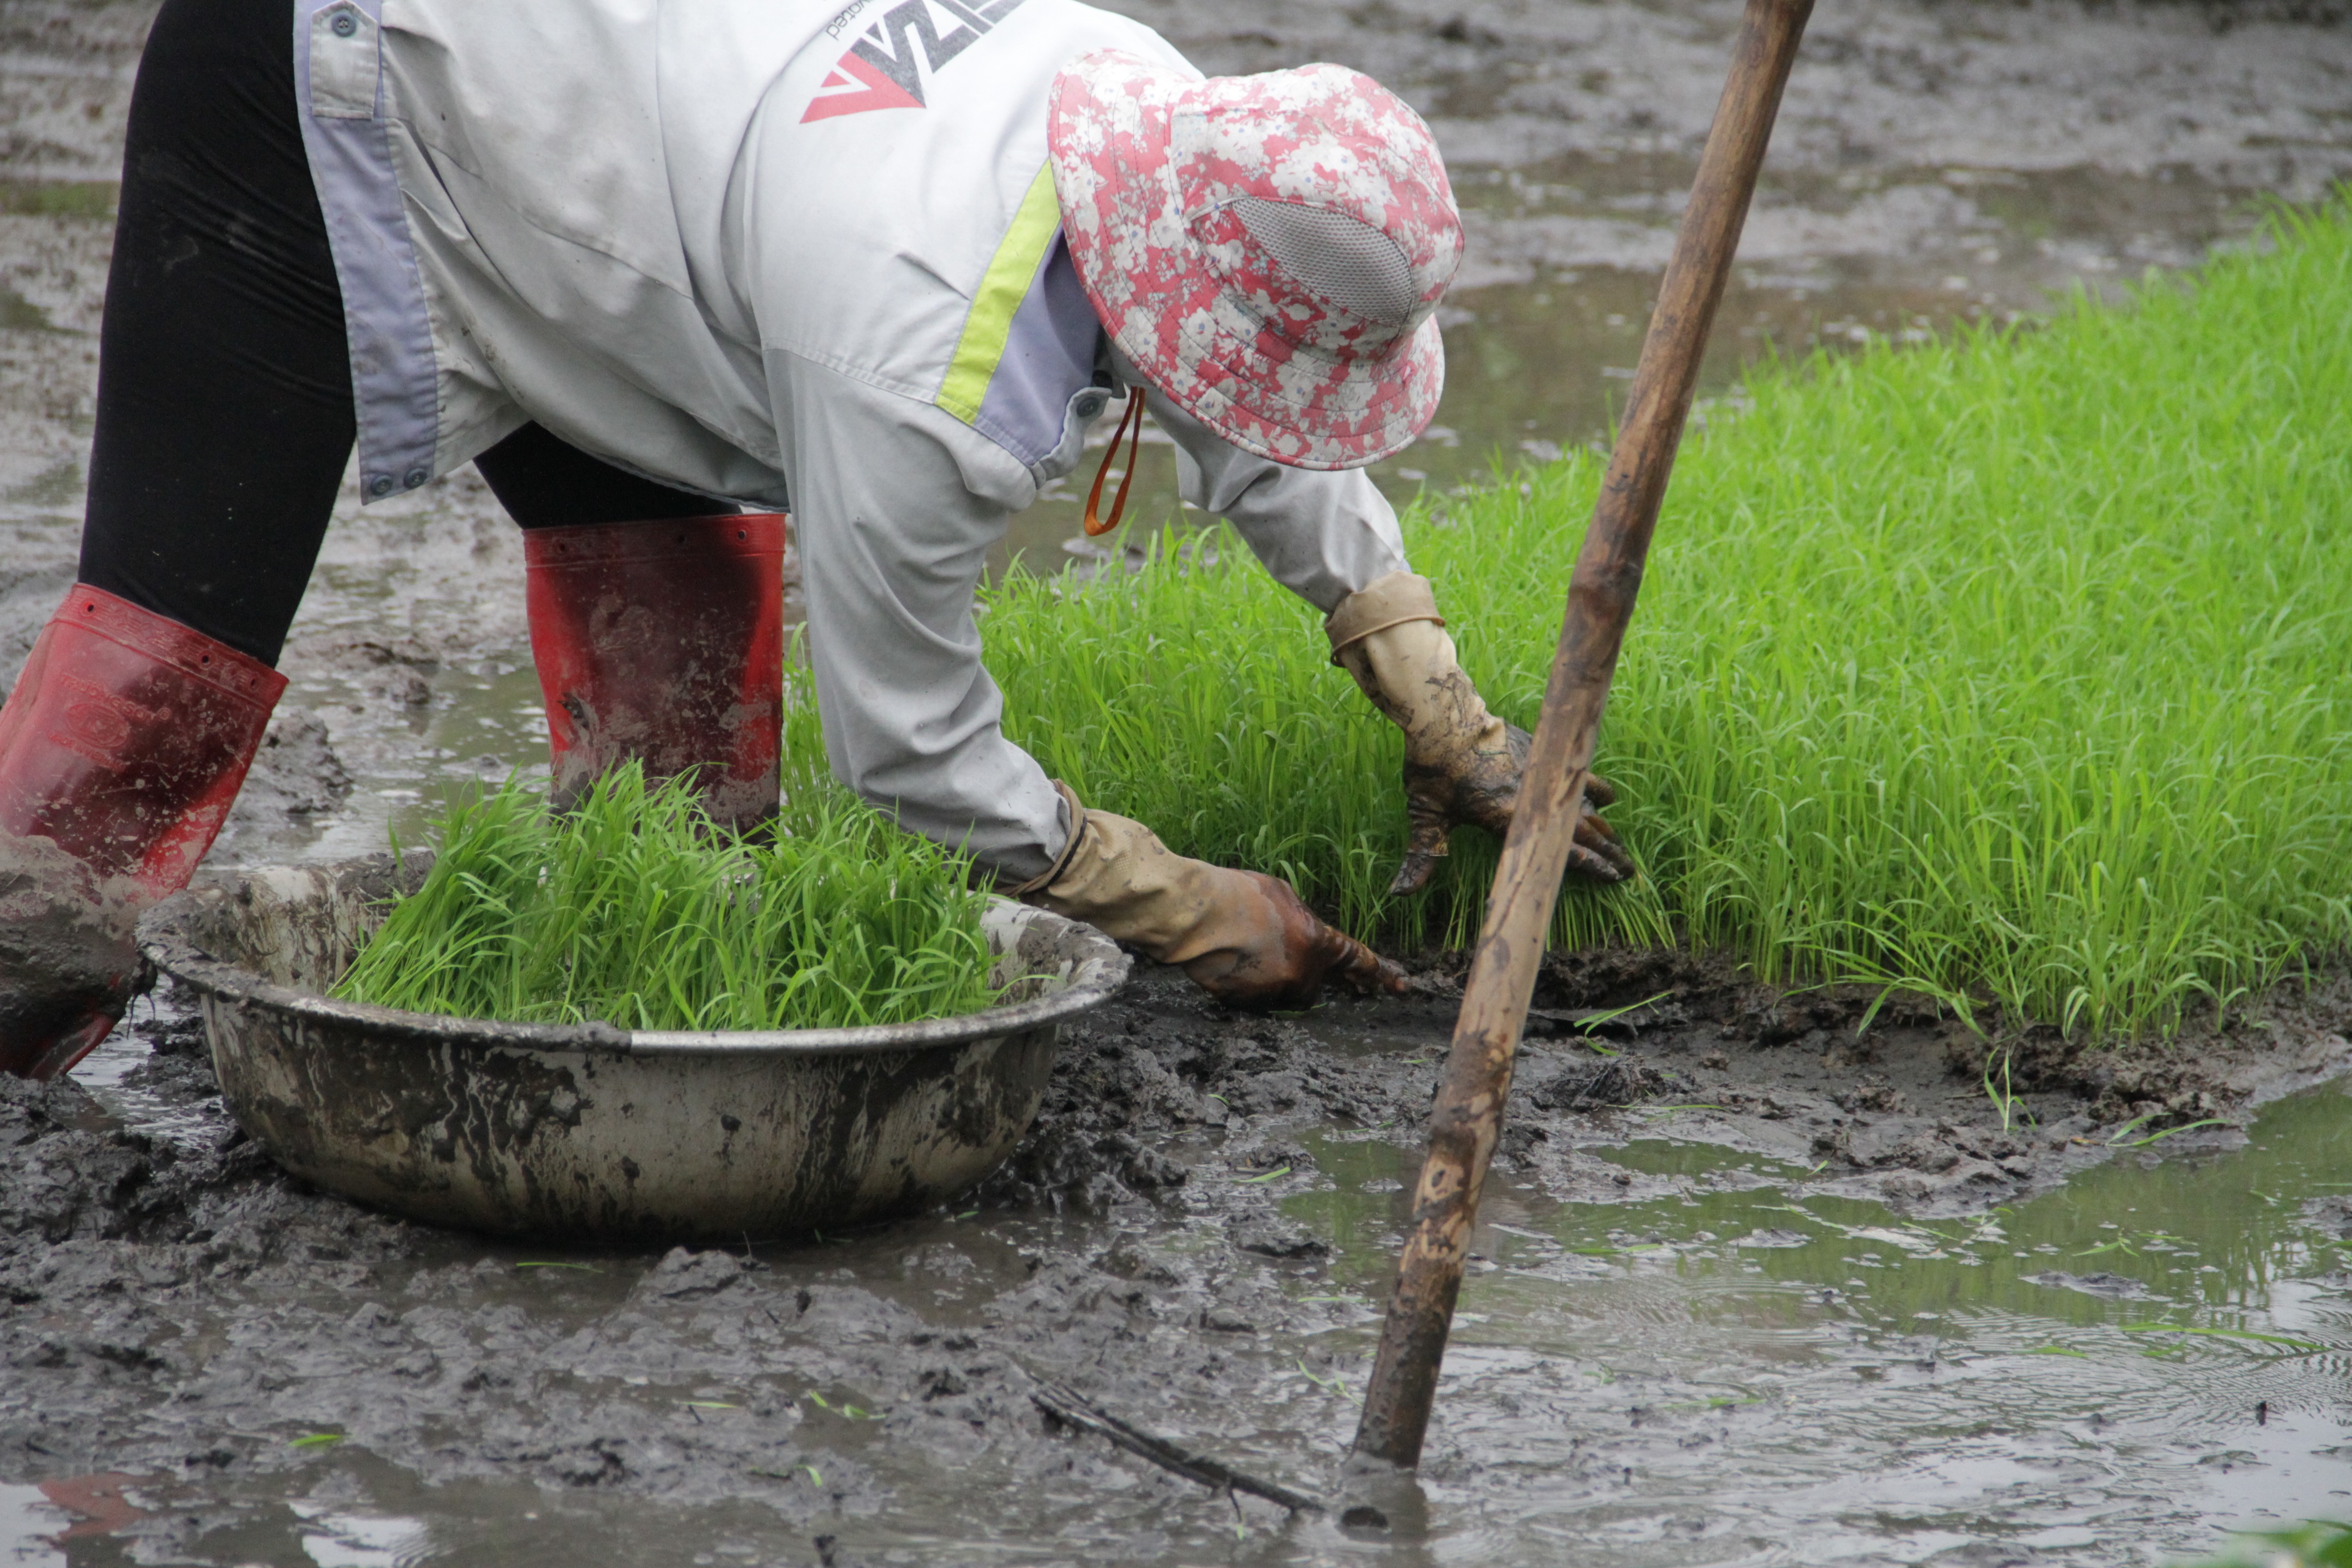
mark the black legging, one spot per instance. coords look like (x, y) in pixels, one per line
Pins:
(225, 415)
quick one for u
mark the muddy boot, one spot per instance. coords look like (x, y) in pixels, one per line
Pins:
(121, 751)
(664, 641)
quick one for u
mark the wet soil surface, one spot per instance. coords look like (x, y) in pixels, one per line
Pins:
(1726, 1229)
(1753, 1286)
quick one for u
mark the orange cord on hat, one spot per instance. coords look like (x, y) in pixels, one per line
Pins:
(1132, 415)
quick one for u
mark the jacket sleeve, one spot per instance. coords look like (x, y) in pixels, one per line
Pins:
(1322, 535)
(894, 530)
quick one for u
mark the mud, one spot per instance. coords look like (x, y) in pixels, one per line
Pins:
(1907, 1111)
(181, 1313)
(1752, 1286)
(65, 940)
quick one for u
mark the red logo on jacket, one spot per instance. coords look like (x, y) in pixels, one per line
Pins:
(881, 69)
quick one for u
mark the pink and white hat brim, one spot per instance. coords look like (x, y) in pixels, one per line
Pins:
(1155, 281)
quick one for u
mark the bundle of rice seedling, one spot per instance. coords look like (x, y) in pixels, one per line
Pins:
(635, 907)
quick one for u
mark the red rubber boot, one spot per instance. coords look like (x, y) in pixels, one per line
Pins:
(121, 751)
(664, 641)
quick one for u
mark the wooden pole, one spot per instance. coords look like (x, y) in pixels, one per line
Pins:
(1468, 1115)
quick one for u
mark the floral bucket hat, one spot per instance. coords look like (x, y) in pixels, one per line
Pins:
(1269, 250)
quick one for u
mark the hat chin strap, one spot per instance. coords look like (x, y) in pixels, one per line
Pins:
(1130, 427)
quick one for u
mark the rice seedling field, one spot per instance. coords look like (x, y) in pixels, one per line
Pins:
(2010, 667)
(636, 908)
(2318, 1544)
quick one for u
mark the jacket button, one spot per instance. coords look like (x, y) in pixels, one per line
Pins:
(381, 485)
(344, 24)
(1089, 406)
(414, 477)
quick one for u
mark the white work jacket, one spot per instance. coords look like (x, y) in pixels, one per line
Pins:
(805, 256)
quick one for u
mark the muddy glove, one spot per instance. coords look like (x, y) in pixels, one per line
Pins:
(1243, 936)
(1460, 762)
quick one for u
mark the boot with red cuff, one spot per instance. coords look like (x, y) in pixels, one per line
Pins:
(664, 641)
(122, 750)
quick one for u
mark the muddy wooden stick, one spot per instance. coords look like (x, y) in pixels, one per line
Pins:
(1468, 1115)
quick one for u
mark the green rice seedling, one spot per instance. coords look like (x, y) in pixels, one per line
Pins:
(2005, 1100)
(2120, 1141)
(636, 908)
(1592, 1021)
(2008, 667)
(2300, 1347)
(1333, 1385)
(2317, 1544)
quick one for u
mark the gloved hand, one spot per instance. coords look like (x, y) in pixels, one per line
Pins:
(1243, 936)
(1462, 764)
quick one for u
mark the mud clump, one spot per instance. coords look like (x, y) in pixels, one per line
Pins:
(1272, 1237)
(2156, 1085)
(66, 945)
(297, 772)
(683, 1273)
(70, 1177)
(75, 1175)
(396, 671)
(1615, 1082)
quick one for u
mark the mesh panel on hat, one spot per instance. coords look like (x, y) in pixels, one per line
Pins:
(1344, 259)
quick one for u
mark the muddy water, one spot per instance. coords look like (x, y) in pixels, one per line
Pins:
(1805, 1301)
(2079, 1375)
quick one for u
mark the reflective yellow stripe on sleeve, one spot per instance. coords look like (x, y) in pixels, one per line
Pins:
(1002, 290)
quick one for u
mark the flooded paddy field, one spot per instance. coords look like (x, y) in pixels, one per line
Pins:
(1753, 1288)
(1747, 1287)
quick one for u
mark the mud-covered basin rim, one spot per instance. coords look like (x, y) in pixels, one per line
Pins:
(1100, 971)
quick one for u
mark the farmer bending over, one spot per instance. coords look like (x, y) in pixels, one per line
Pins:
(881, 265)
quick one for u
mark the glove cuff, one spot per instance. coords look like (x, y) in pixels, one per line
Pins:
(1399, 597)
(1046, 878)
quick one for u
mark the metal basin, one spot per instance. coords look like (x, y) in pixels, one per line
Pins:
(593, 1132)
